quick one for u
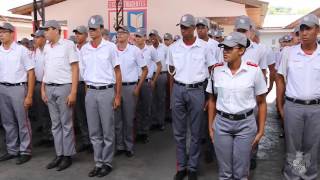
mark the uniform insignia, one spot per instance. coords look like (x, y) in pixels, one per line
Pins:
(218, 64)
(306, 18)
(92, 20)
(184, 18)
(242, 21)
(252, 64)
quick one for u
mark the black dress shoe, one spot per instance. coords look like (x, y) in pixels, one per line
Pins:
(253, 164)
(180, 175)
(105, 170)
(54, 163)
(162, 128)
(94, 172)
(119, 152)
(192, 175)
(65, 163)
(7, 157)
(129, 154)
(23, 159)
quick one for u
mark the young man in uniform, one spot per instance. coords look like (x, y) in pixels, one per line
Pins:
(81, 36)
(59, 91)
(299, 102)
(101, 72)
(17, 81)
(40, 108)
(159, 95)
(150, 55)
(131, 62)
(189, 62)
(167, 39)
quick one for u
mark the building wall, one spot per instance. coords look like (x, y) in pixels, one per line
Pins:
(161, 14)
(271, 39)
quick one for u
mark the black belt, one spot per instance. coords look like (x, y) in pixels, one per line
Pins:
(82, 82)
(196, 85)
(163, 72)
(13, 84)
(100, 87)
(128, 83)
(39, 82)
(235, 117)
(303, 102)
(55, 84)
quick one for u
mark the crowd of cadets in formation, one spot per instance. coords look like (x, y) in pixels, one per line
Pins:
(117, 90)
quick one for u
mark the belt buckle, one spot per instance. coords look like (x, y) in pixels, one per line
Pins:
(231, 117)
(307, 102)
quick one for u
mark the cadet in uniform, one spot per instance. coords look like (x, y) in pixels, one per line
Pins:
(101, 72)
(40, 108)
(17, 81)
(167, 39)
(81, 35)
(131, 62)
(236, 87)
(159, 94)
(299, 102)
(149, 54)
(217, 35)
(59, 91)
(189, 61)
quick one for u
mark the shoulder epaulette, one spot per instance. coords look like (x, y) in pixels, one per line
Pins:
(252, 64)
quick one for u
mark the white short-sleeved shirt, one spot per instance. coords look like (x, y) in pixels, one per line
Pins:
(162, 51)
(38, 56)
(57, 61)
(150, 55)
(237, 93)
(191, 62)
(302, 73)
(98, 63)
(15, 63)
(255, 53)
(131, 62)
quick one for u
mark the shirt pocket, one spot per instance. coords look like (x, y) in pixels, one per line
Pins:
(316, 70)
(177, 59)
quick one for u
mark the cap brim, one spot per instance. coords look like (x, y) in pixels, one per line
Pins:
(242, 26)
(185, 24)
(202, 24)
(227, 43)
(94, 26)
(307, 24)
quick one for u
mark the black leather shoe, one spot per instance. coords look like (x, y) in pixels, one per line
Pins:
(253, 164)
(7, 157)
(119, 152)
(192, 175)
(54, 163)
(180, 175)
(129, 154)
(94, 172)
(162, 127)
(23, 159)
(65, 163)
(105, 170)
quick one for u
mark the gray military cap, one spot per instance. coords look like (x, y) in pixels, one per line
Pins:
(243, 22)
(140, 32)
(51, 23)
(296, 29)
(187, 20)
(95, 21)
(7, 26)
(123, 28)
(234, 39)
(168, 36)
(24, 41)
(310, 21)
(81, 30)
(217, 33)
(38, 33)
(202, 21)
(287, 38)
(154, 32)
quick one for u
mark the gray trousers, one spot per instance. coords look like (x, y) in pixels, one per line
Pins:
(144, 109)
(80, 114)
(302, 129)
(159, 100)
(232, 144)
(42, 112)
(125, 119)
(100, 117)
(15, 119)
(187, 102)
(61, 119)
